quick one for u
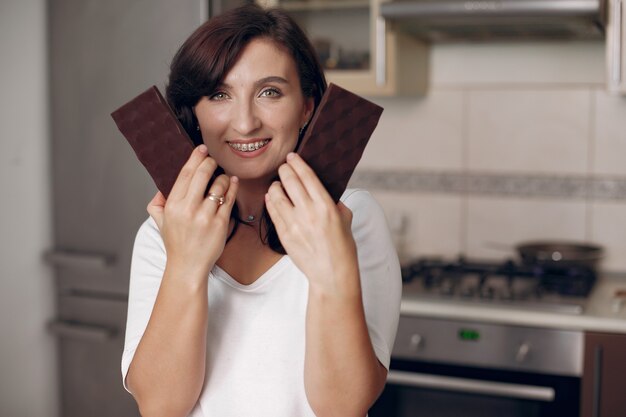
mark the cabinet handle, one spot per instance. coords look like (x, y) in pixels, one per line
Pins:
(381, 51)
(616, 49)
(597, 381)
(82, 331)
(78, 259)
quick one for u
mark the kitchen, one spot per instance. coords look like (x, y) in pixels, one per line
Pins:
(512, 141)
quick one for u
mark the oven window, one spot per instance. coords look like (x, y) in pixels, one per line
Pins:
(406, 402)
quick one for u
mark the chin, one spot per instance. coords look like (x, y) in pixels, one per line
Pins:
(246, 175)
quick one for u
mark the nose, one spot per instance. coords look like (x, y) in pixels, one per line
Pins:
(245, 118)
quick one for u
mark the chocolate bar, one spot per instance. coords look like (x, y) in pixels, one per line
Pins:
(337, 135)
(160, 142)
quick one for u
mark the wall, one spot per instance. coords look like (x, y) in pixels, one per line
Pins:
(27, 355)
(513, 142)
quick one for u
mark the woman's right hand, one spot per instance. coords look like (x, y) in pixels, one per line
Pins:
(194, 227)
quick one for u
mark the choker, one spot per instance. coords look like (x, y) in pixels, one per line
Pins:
(249, 219)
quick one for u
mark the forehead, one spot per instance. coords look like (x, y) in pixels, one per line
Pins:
(260, 58)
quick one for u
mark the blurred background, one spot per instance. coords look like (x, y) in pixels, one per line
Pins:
(499, 128)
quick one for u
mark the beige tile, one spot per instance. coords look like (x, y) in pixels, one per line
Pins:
(608, 228)
(538, 131)
(496, 225)
(415, 133)
(517, 63)
(431, 225)
(610, 135)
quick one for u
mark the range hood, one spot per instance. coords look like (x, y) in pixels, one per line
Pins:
(489, 20)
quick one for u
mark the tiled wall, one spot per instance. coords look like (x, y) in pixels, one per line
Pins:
(513, 142)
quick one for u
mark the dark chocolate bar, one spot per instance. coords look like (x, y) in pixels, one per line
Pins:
(160, 142)
(337, 135)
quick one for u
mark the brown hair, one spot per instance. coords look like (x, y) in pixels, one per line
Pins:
(206, 57)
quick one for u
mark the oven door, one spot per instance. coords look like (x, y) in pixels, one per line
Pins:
(435, 390)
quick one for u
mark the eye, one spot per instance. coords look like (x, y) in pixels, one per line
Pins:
(271, 93)
(220, 95)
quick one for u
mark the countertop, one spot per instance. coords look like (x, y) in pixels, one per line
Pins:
(603, 312)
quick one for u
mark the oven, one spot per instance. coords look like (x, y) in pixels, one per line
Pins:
(457, 368)
(450, 367)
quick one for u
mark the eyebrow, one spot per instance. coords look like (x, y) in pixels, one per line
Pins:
(270, 79)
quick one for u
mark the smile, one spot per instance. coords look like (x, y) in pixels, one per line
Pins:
(248, 147)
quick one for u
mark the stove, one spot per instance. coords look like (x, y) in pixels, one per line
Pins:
(561, 289)
(444, 367)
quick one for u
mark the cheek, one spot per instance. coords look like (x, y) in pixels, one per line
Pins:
(212, 124)
(290, 121)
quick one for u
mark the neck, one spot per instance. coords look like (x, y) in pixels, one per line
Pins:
(251, 199)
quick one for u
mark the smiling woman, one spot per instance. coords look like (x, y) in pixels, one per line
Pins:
(291, 315)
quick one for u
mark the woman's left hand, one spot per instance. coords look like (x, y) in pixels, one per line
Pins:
(314, 230)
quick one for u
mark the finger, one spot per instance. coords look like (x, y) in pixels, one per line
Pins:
(229, 199)
(309, 178)
(155, 208)
(218, 189)
(179, 190)
(272, 210)
(201, 178)
(293, 186)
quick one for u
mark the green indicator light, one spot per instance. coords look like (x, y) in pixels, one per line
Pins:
(469, 335)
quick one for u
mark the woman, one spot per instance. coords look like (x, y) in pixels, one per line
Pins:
(222, 322)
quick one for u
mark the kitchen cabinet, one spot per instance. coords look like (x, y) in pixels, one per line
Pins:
(615, 42)
(604, 375)
(358, 50)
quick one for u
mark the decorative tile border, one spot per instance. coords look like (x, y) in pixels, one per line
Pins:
(567, 187)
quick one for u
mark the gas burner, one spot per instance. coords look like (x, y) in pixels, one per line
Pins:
(507, 282)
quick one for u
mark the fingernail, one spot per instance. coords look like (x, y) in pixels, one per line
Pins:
(290, 156)
(234, 179)
(202, 148)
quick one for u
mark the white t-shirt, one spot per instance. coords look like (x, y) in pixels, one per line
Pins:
(256, 333)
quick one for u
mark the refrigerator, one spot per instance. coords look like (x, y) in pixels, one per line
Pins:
(101, 54)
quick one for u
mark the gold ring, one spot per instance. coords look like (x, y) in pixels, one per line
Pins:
(219, 199)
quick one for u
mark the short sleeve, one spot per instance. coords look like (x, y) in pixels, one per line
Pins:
(146, 272)
(381, 280)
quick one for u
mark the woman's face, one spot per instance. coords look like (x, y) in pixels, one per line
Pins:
(252, 121)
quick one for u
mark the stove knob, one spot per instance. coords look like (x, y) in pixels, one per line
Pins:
(416, 341)
(522, 352)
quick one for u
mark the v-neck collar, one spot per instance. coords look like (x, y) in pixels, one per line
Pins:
(266, 276)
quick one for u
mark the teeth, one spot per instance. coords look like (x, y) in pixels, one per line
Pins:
(248, 147)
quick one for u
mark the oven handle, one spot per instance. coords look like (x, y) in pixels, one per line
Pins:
(471, 386)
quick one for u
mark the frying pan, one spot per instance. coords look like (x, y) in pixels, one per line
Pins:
(560, 253)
